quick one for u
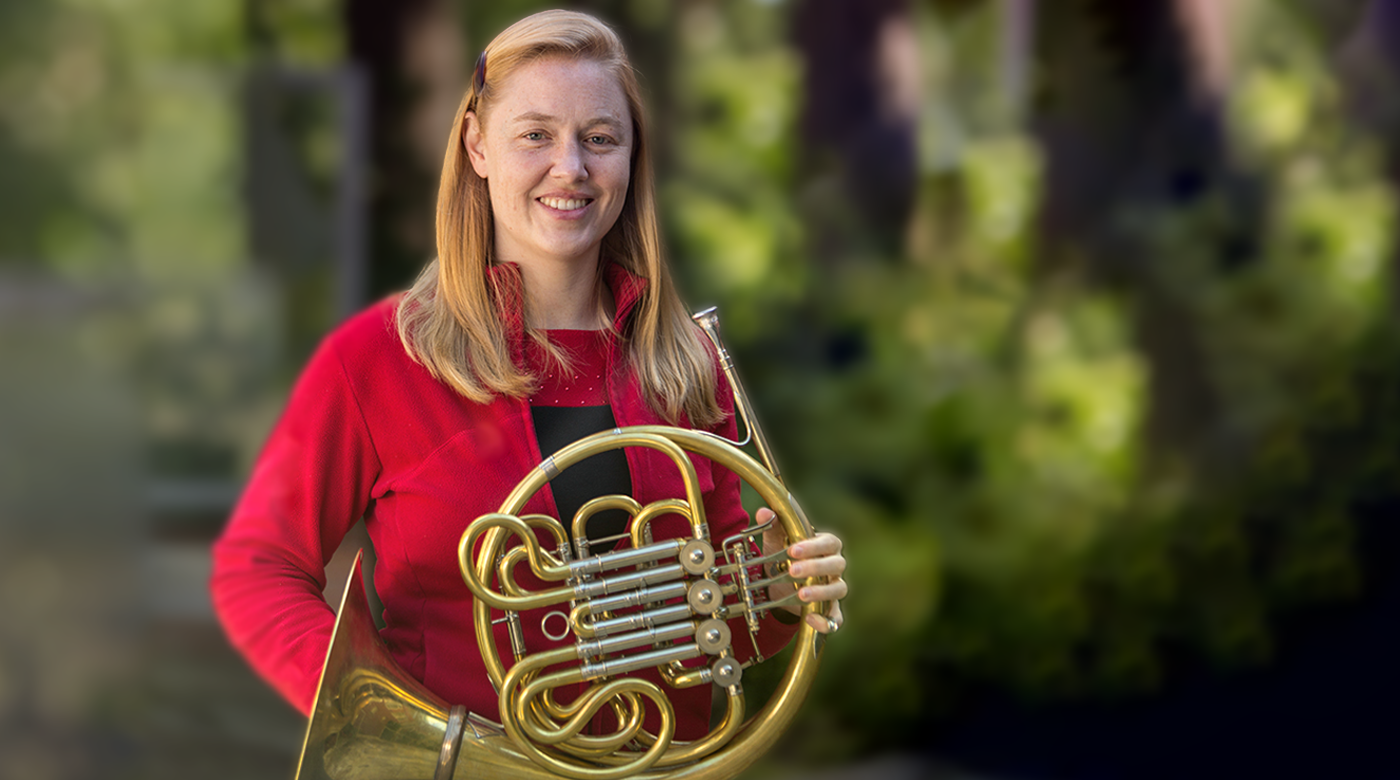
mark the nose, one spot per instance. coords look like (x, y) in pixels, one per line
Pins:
(569, 162)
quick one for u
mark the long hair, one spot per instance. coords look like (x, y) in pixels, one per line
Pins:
(450, 322)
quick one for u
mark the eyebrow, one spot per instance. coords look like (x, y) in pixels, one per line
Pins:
(535, 116)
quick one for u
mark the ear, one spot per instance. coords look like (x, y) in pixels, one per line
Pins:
(474, 141)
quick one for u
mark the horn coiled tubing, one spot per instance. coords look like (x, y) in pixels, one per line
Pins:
(529, 715)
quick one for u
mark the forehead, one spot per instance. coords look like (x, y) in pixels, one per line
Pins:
(562, 88)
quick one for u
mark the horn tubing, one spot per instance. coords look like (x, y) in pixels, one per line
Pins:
(747, 741)
(708, 320)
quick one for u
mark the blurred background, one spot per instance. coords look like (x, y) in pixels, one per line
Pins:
(1077, 320)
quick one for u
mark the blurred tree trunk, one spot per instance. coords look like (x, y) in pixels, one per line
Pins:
(859, 119)
(1129, 118)
(413, 53)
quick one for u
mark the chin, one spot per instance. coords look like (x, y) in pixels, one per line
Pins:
(572, 252)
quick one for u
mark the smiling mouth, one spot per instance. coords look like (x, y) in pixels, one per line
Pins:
(565, 204)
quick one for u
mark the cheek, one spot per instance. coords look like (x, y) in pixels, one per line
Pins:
(505, 206)
(618, 177)
(506, 190)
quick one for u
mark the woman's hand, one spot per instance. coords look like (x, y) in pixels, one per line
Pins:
(819, 556)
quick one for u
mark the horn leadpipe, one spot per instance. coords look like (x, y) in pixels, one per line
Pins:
(708, 320)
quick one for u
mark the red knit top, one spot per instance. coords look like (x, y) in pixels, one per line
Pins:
(584, 382)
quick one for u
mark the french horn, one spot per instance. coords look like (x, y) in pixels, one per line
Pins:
(669, 604)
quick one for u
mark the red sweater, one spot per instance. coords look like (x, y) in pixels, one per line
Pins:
(369, 433)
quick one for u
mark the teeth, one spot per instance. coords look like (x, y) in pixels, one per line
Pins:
(563, 204)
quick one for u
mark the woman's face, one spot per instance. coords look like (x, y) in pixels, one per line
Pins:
(555, 150)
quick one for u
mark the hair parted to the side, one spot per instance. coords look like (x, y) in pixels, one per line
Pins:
(449, 320)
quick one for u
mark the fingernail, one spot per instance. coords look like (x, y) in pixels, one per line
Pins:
(795, 551)
(806, 594)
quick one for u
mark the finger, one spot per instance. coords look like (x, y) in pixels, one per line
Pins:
(820, 623)
(832, 621)
(825, 624)
(830, 566)
(774, 538)
(832, 591)
(817, 546)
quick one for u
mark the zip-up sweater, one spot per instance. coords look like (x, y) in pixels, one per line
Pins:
(368, 432)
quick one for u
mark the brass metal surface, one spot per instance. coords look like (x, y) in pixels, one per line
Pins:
(372, 721)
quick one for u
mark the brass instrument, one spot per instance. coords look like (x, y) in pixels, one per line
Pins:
(653, 604)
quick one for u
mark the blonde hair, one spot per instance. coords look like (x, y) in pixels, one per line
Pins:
(450, 320)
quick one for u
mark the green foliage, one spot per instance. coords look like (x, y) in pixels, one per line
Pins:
(728, 207)
(1008, 519)
(125, 123)
(299, 32)
(126, 119)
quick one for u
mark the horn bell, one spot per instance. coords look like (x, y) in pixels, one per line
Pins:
(373, 721)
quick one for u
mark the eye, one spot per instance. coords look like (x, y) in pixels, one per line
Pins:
(534, 135)
(599, 140)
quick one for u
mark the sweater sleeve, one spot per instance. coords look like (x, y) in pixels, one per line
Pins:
(310, 484)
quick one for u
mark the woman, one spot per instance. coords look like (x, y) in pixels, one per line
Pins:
(548, 314)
